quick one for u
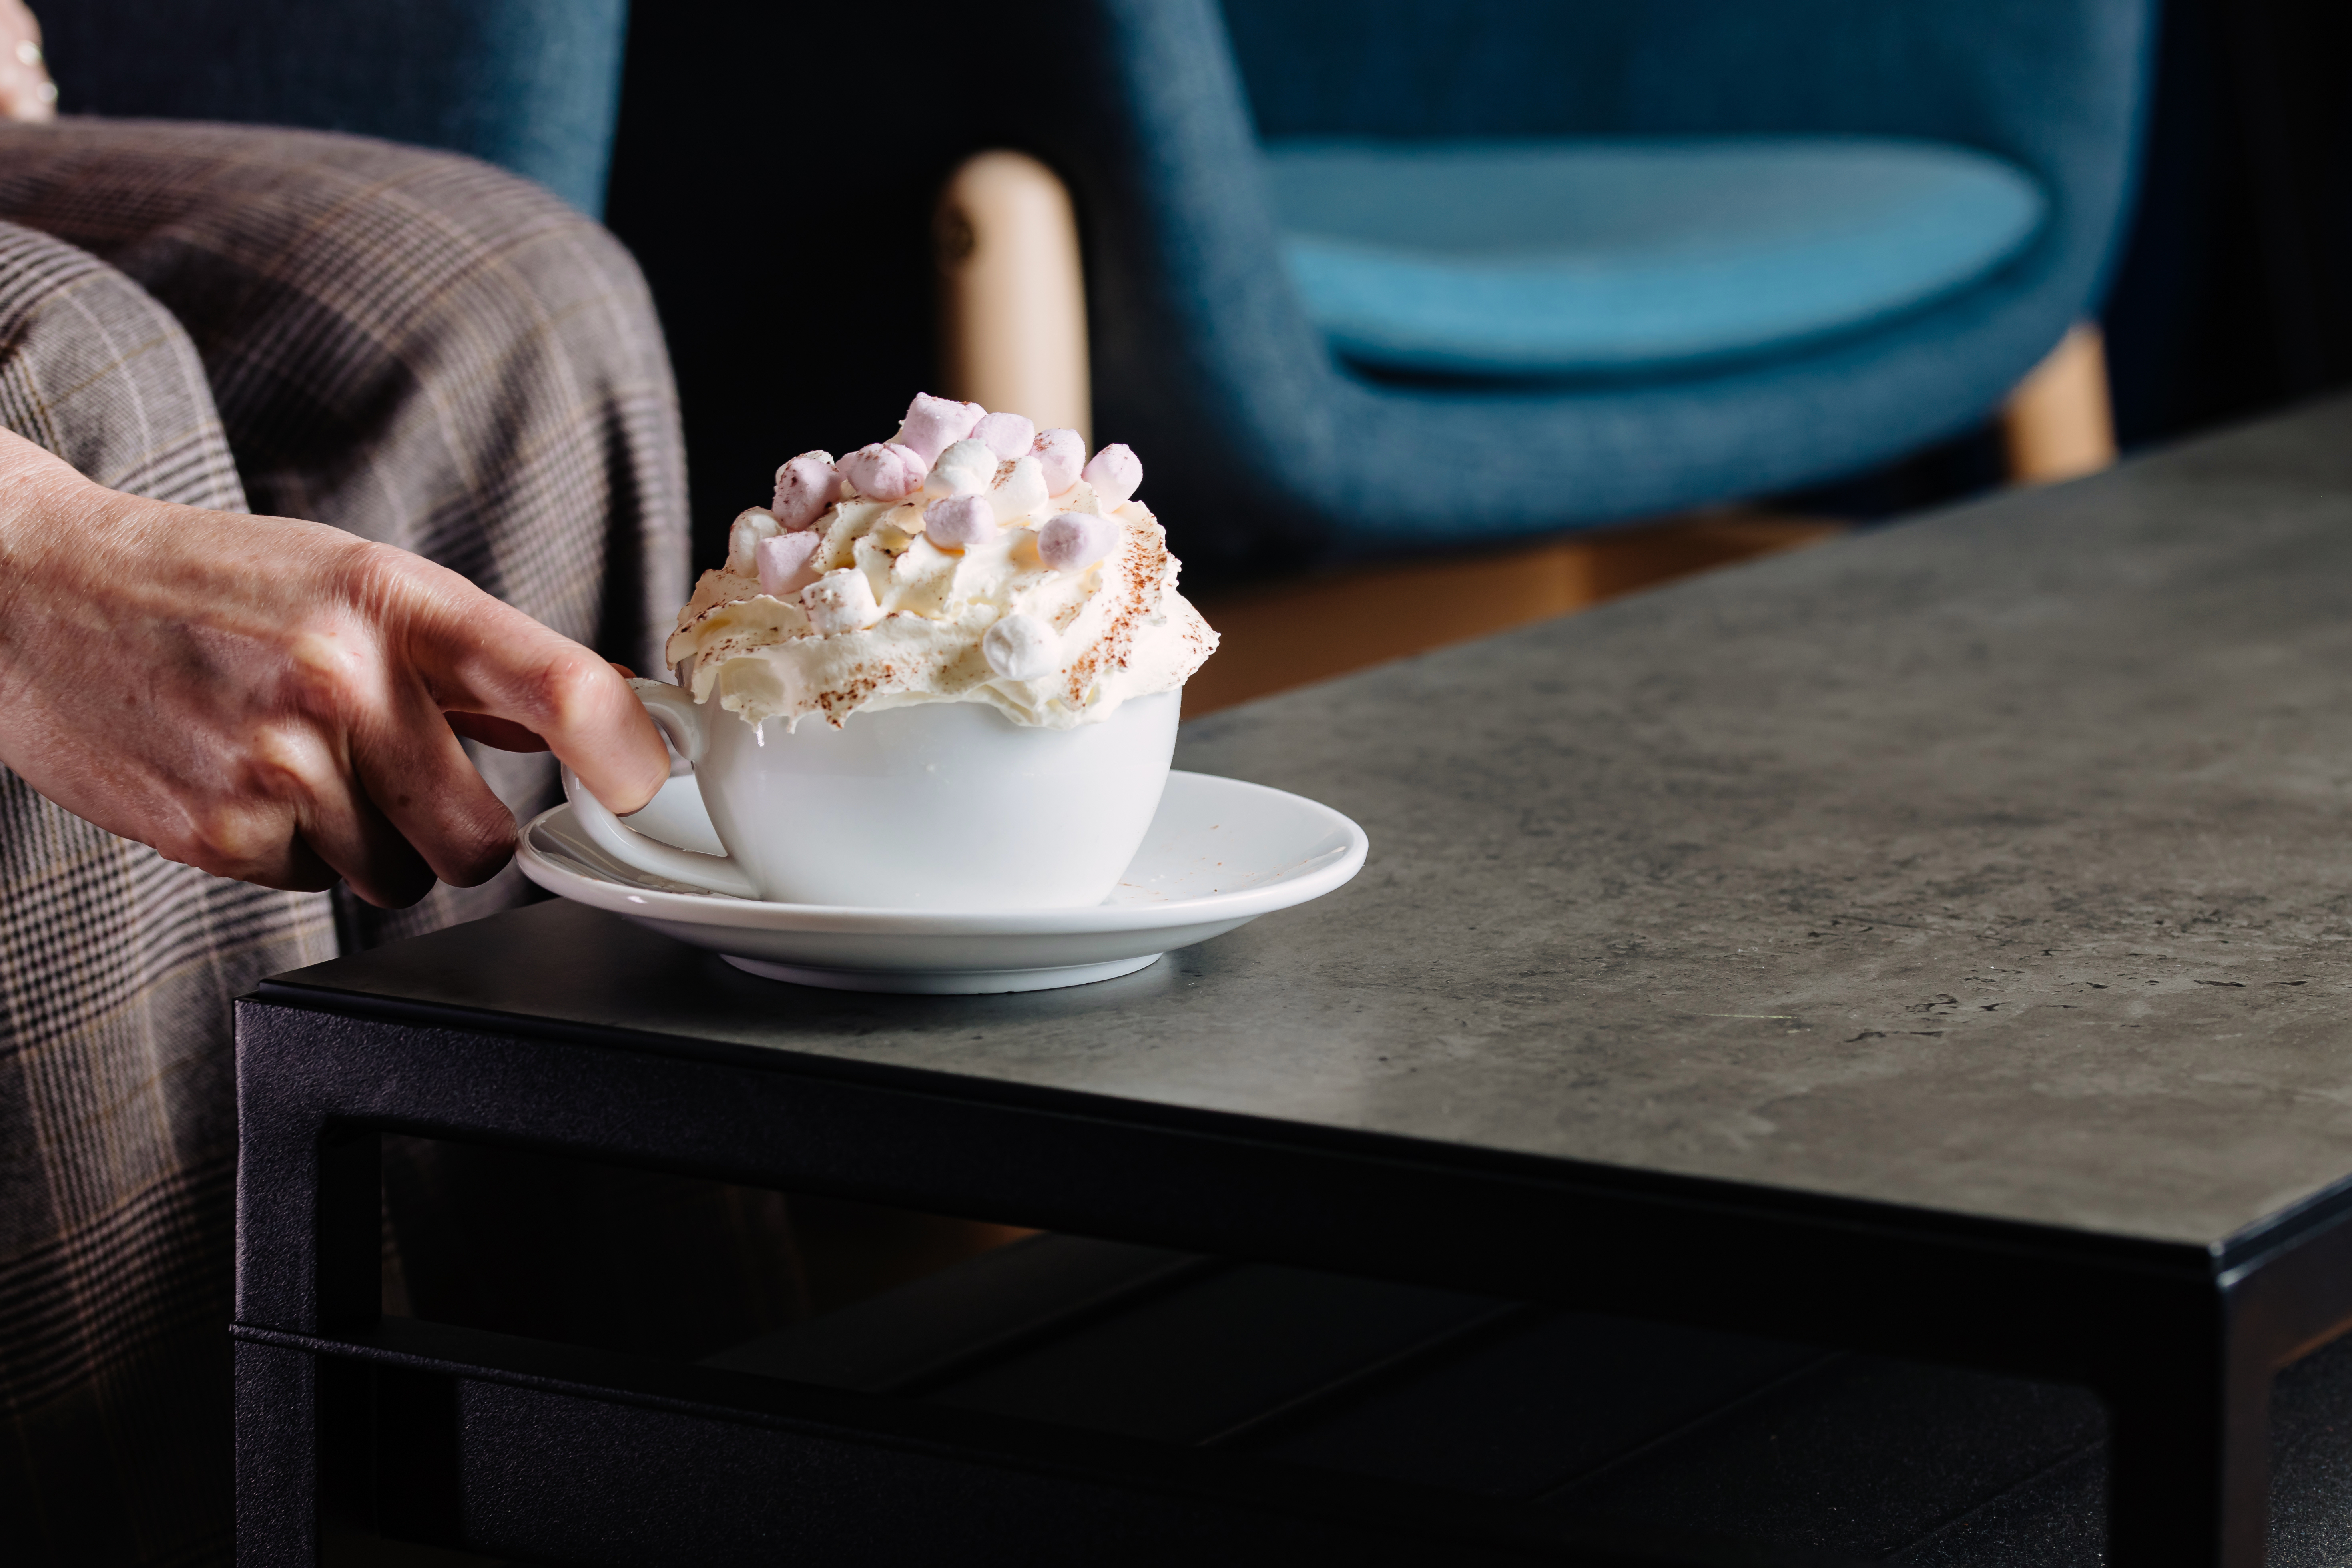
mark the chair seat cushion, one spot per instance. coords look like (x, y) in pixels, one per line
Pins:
(1622, 257)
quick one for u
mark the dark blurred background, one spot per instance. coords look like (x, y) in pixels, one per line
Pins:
(2235, 293)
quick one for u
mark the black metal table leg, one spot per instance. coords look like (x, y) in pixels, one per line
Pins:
(2190, 1482)
(321, 1184)
(277, 1457)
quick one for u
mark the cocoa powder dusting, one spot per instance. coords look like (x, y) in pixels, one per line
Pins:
(843, 700)
(1142, 566)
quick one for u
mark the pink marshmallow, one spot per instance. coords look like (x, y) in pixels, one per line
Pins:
(1076, 540)
(804, 487)
(959, 522)
(1114, 473)
(933, 423)
(1061, 453)
(1006, 435)
(788, 561)
(881, 472)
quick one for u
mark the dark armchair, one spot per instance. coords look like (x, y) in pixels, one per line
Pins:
(1264, 441)
(1208, 361)
(530, 85)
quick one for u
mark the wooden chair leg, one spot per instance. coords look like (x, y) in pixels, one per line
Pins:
(2059, 424)
(1013, 298)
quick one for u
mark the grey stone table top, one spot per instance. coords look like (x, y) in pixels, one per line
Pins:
(1995, 863)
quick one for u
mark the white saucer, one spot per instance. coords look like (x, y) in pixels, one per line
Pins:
(1220, 854)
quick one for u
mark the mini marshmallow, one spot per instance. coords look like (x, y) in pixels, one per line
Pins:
(959, 522)
(885, 472)
(1022, 648)
(804, 487)
(965, 469)
(1114, 472)
(752, 525)
(1020, 493)
(840, 601)
(933, 423)
(788, 562)
(1006, 435)
(1076, 540)
(1062, 453)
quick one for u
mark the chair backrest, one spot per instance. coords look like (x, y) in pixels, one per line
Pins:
(2031, 79)
(530, 85)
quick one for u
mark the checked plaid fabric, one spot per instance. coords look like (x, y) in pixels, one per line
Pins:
(409, 345)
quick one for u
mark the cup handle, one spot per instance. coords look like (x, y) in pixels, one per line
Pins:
(681, 718)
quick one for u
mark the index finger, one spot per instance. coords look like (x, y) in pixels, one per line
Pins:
(477, 655)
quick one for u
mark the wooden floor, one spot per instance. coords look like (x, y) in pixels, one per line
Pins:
(1293, 634)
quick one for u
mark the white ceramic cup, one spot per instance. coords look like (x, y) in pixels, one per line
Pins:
(940, 806)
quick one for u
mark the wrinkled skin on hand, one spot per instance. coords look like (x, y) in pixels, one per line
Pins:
(275, 700)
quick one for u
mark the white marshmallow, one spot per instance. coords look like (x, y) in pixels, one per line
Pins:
(1114, 472)
(752, 525)
(958, 522)
(1006, 435)
(788, 561)
(1022, 648)
(1021, 492)
(1062, 453)
(965, 469)
(1076, 540)
(804, 487)
(840, 601)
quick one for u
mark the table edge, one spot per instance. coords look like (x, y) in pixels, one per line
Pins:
(1916, 1223)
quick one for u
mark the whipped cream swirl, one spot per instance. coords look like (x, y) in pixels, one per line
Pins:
(977, 581)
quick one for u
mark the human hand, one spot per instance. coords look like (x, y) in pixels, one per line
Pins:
(265, 698)
(26, 91)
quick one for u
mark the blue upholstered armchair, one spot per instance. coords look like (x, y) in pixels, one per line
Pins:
(1368, 275)
(532, 85)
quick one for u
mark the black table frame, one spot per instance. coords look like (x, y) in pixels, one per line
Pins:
(2179, 1342)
